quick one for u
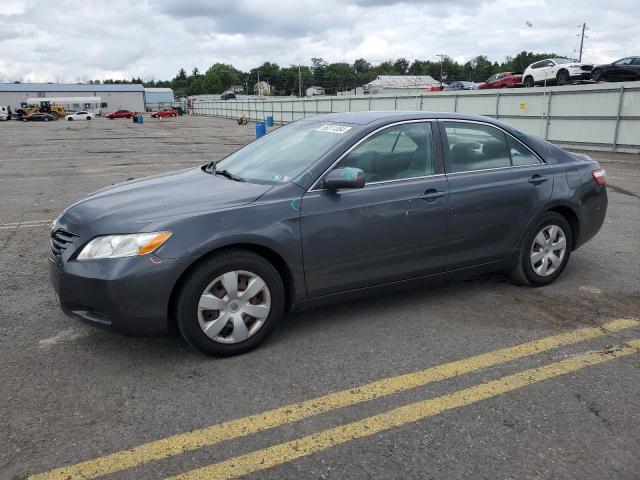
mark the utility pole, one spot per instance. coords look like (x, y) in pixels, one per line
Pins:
(299, 82)
(584, 27)
(442, 57)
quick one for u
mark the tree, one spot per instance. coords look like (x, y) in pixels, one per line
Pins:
(401, 66)
(220, 77)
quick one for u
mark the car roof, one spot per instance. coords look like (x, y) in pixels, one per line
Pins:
(365, 118)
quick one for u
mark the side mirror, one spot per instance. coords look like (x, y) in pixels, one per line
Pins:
(347, 177)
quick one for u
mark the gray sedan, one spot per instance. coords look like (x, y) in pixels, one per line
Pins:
(323, 209)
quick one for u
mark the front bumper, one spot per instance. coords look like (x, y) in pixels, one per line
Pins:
(130, 295)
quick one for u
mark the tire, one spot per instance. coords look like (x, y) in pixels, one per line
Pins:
(524, 272)
(173, 114)
(563, 77)
(25, 119)
(70, 119)
(596, 75)
(504, 86)
(45, 119)
(528, 82)
(204, 281)
(88, 118)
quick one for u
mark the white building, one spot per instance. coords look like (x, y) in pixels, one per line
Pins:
(311, 91)
(262, 88)
(112, 97)
(157, 98)
(399, 85)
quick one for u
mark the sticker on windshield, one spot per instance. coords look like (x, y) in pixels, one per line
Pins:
(334, 128)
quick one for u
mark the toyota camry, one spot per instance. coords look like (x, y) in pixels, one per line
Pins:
(322, 209)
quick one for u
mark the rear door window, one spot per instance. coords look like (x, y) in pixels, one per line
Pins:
(474, 146)
(521, 155)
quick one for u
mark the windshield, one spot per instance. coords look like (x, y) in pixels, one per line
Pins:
(285, 153)
(561, 60)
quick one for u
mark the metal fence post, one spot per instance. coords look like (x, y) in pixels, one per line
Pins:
(395, 103)
(455, 102)
(331, 104)
(497, 105)
(615, 133)
(369, 103)
(546, 128)
(304, 109)
(421, 100)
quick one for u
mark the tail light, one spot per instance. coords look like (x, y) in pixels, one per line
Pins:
(600, 176)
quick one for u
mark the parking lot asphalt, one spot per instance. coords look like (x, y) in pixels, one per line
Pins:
(471, 379)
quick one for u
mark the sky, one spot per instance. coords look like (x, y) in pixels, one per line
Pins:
(79, 40)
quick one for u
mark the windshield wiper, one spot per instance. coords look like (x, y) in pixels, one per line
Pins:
(229, 175)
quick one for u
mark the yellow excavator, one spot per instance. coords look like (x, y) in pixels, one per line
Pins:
(56, 111)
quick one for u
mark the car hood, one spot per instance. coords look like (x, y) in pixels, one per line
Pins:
(127, 207)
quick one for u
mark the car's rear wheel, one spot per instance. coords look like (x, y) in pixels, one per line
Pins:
(562, 77)
(545, 251)
(230, 303)
(528, 82)
(596, 75)
(89, 118)
(45, 119)
(70, 119)
(173, 114)
(504, 86)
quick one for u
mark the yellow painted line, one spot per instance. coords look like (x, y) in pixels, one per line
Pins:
(305, 446)
(184, 442)
(35, 223)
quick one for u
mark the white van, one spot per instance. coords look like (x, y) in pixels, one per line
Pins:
(4, 113)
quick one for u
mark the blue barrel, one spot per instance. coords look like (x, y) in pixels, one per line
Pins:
(269, 121)
(261, 129)
(140, 119)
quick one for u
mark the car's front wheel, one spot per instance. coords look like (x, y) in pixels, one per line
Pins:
(563, 77)
(230, 303)
(528, 82)
(545, 251)
(70, 119)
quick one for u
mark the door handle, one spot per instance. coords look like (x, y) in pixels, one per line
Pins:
(432, 194)
(538, 179)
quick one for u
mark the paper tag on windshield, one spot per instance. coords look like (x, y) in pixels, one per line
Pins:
(334, 129)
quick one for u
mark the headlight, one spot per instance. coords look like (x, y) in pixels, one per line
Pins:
(116, 246)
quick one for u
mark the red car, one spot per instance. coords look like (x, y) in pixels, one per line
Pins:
(120, 114)
(502, 80)
(165, 112)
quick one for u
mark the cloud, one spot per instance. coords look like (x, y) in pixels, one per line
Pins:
(42, 40)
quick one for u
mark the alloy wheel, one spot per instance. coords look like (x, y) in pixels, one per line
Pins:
(548, 250)
(234, 307)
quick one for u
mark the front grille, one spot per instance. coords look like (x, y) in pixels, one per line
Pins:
(60, 240)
